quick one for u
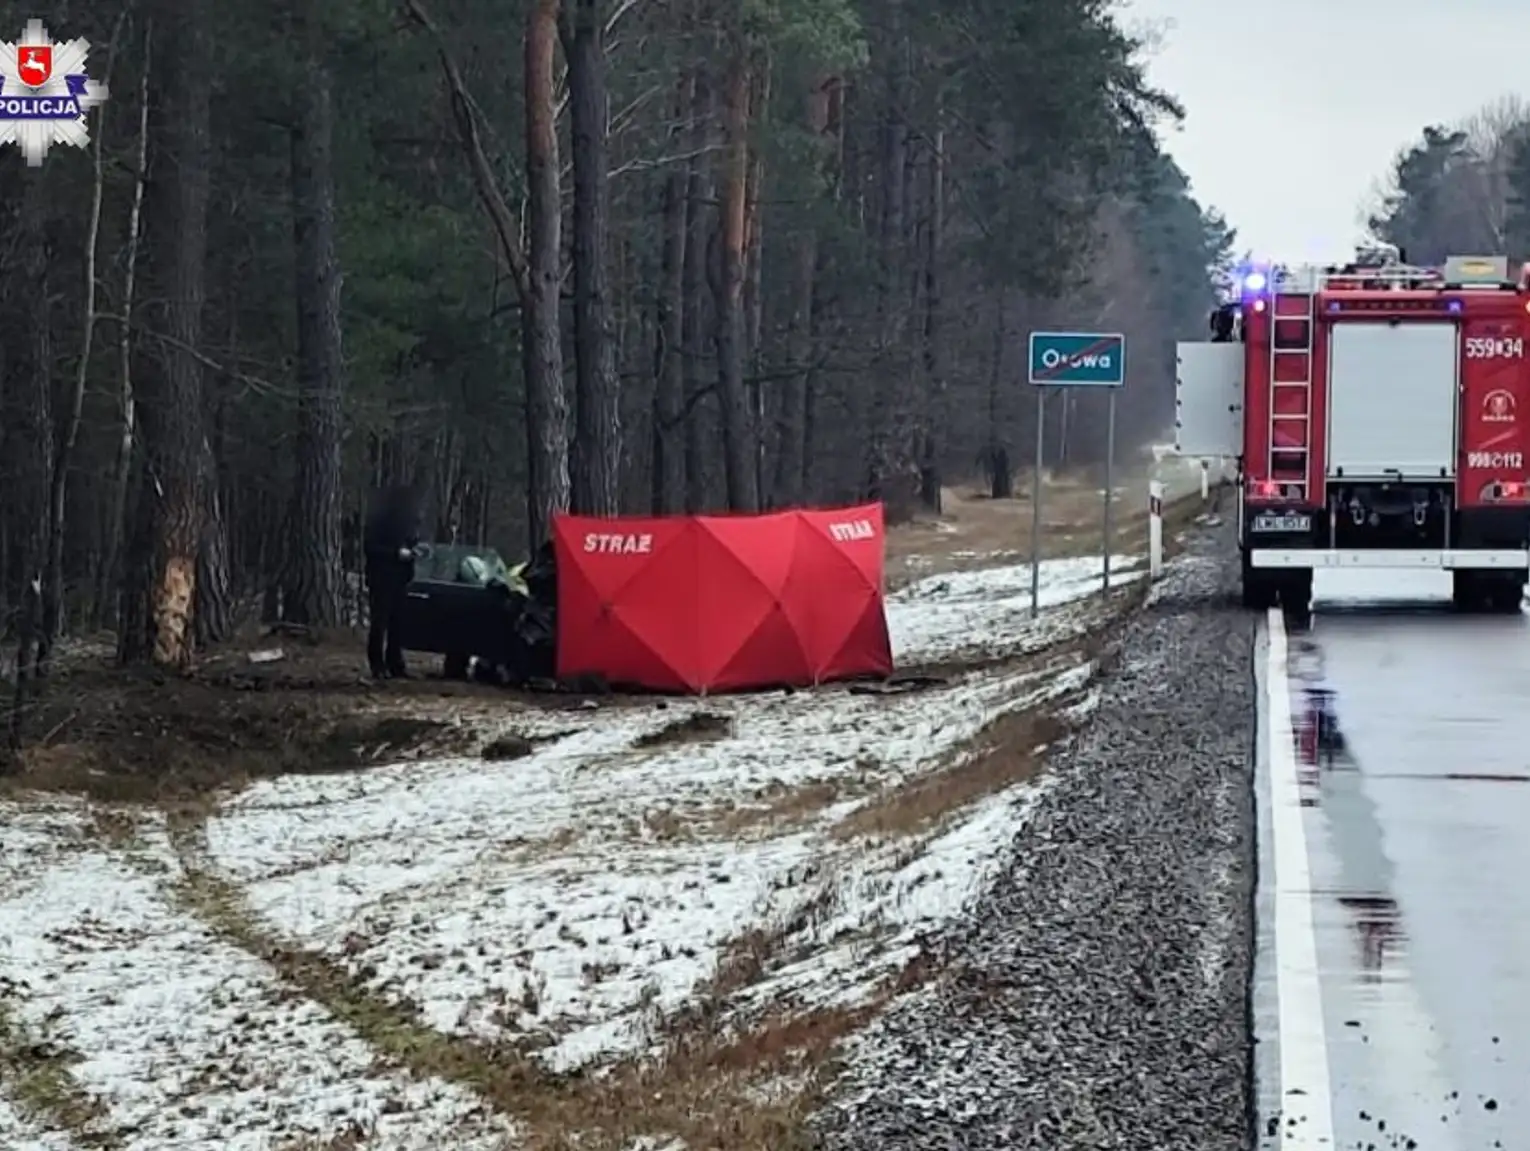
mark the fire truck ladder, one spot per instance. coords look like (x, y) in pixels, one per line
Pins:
(1291, 399)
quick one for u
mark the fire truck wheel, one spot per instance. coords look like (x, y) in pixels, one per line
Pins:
(1296, 591)
(1257, 591)
(1479, 591)
(1506, 593)
(1260, 591)
(1463, 590)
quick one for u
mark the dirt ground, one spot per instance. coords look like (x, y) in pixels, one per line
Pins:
(121, 736)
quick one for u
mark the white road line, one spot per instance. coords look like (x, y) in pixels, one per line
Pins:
(1306, 1094)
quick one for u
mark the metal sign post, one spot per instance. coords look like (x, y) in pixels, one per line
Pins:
(1110, 484)
(1080, 360)
(1041, 443)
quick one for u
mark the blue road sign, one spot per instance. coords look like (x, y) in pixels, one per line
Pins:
(1078, 359)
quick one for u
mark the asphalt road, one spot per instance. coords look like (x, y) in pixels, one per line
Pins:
(1392, 990)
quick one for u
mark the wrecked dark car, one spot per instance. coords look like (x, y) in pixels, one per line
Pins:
(488, 620)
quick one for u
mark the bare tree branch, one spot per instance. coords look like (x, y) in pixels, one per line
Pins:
(465, 113)
(664, 161)
(622, 9)
(253, 383)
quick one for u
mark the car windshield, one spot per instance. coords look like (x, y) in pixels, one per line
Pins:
(461, 563)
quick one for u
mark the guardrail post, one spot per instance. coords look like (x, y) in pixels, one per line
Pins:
(1205, 480)
(1155, 529)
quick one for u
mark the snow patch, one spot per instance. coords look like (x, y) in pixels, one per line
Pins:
(937, 617)
(892, 900)
(186, 1040)
(18, 1133)
(571, 898)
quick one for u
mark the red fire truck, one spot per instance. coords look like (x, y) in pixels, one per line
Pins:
(1373, 409)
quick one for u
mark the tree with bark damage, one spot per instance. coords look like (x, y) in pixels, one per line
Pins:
(173, 478)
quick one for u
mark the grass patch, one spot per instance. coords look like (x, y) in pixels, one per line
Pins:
(749, 956)
(1005, 757)
(113, 828)
(1178, 516)
(977, 532)
(779, 807)
(37, 1076)
(772, 810)
(1004, 754)
(530, 848)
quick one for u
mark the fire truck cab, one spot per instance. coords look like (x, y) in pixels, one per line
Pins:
(1373, 409)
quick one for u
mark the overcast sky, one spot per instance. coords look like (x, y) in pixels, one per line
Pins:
(1296, 107)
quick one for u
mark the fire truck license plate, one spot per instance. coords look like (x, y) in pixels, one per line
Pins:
(1512, 460)
(1291, 523)
(1488, 348)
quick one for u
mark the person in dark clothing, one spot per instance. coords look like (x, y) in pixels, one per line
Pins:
(390, 537)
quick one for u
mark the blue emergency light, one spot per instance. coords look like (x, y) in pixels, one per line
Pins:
(1255, 282)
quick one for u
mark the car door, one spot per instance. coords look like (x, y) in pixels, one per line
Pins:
(422, 626)
(461, 619)
(428, 602)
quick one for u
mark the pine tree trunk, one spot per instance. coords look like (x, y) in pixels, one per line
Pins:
(738, 468)
(790, 464)
(109, 588)
(31, 412)
(134, 634)
(935, 413)
(173, 422)
(312, 594)
(214, 616)
(699, 214)
(547, 428)
(754, 277)
(837, 171)
(597, 404)
(68, 436)
(668, 465)
(1001, 480)
(883, 458)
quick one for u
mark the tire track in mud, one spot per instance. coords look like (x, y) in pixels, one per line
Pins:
(703, 1088)
(400, 1039)
(147, 1027)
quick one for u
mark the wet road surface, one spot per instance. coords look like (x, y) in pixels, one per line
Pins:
(1392, 999)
